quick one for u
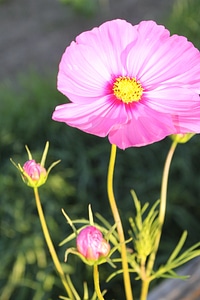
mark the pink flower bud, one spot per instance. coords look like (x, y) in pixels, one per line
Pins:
(91, 244)
(36, 173)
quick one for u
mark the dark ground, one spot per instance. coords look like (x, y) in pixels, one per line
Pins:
(34, 33)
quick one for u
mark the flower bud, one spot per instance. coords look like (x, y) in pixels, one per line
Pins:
(182, 138)
(34, 174)
(91, 244)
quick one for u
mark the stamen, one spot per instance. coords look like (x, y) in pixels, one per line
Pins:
(127, 89)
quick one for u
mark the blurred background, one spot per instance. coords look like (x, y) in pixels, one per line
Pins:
(33, 36)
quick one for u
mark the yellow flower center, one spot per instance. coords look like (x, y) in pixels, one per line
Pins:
(127, 89)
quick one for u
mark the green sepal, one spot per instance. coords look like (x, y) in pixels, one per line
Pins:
(182, 138)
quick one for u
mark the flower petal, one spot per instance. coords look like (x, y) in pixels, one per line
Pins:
(170, 99)
(88, 64)
(157, 58)
(145, 127)
(137, 53)
(82, 76)
(108, 41)
(97, 118)
(188, 122)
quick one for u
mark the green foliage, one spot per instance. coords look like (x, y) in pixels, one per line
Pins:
(144, 232)
(26, 107)
(144, 229)
(185, 20)
(176, 260)
(78, 180)
(85, 7)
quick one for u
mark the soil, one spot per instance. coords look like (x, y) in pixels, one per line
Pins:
(34, 33)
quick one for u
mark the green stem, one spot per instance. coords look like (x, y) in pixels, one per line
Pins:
(96, 282)
(161, 219)
(163, 196)
(50, 244)
(115, 212)
(144, 290)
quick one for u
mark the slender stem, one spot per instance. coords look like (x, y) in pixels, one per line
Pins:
(161, 218)
(144, 290)
(96, 282)
(115, 212)
(50, 244)
(163, 196)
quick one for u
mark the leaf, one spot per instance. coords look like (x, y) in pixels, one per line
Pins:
(69, 221)
(178, 247)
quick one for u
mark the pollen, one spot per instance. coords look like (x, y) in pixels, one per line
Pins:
(127, 89)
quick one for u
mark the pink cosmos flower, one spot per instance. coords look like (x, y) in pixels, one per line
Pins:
(91, 244)
(136, 84)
